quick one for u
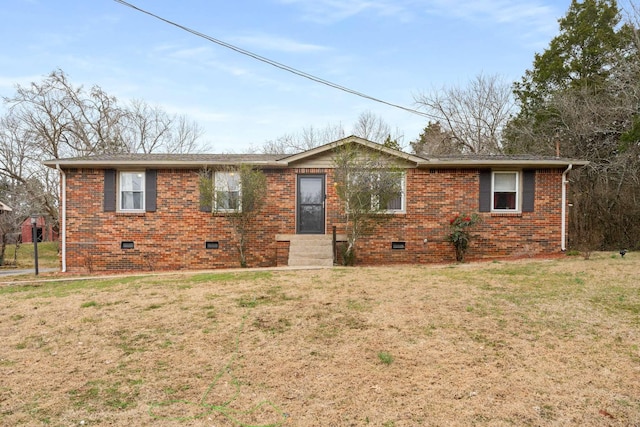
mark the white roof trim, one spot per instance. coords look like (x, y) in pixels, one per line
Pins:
(352, 139)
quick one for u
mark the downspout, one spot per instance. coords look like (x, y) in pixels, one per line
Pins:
(63, 214)
(563, 227)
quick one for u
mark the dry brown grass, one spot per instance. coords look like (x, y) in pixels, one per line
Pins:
(540, 343)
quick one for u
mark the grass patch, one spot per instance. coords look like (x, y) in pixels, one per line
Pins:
(229, 277)
(102, 395)
(63, 289)
(47, 255)
(89, 304)
(385, 357)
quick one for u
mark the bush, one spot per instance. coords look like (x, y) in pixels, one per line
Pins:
(459, 235)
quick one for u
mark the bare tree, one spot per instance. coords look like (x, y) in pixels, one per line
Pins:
(308, 138)
(13, 195)
(186, 136)
(64, 120)
(54, 119)
(150, 129)
(368, 126)
(475, 116)
(239, 194)
(20, 167)
(368, 182)
(147, 128)
(372, 127)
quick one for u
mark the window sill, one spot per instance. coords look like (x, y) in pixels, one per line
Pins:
(506, 214)
(132, 213)
(225, 213)
(390, 213)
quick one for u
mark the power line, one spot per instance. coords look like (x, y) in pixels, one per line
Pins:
(277, 64)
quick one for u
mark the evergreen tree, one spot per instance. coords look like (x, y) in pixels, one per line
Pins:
(582, 56)
(581, 98)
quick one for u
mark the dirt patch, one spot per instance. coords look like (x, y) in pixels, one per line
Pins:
(508, 343)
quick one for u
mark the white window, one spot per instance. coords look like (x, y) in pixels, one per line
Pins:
(505, 189)
(132, 191)
(369, 187)
(227, 194)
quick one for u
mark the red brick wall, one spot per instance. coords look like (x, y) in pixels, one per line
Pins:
(434, 197)
(174, 236)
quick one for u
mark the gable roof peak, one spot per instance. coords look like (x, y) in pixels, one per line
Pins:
(352, 139)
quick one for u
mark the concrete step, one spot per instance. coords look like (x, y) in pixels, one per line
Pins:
(310, 262)
(310, 250)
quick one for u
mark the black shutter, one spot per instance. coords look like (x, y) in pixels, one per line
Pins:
(528, 189)
(484, 203)
(206, 191)
(109, 190)
(150, 191)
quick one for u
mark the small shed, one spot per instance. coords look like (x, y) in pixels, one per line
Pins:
(43, 230)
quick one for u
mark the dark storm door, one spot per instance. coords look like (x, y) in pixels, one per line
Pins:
(310, 209)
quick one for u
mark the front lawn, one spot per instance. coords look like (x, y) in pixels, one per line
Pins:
(538, 343)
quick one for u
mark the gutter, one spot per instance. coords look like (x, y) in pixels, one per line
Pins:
(563, 226)
(170, 164)
(63, 214)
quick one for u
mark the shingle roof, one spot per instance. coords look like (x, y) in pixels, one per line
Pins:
(283, 161)
(166, 159)
(496, 157)
(178, 157)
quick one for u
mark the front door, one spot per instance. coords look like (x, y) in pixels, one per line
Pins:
(310, 210)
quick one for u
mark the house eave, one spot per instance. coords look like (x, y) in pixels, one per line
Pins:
(158, 164)
(494, 163)
(281, 164)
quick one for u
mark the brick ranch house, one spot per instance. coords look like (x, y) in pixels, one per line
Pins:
(145, 211)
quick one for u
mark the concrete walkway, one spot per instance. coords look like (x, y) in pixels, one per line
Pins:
(18, 272)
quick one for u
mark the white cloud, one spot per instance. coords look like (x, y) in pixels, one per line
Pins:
(276, 43)
(537, 18)
(533, 17)
(206, 58)
(190, 53)
(8, 84)
(330, 11)
(198, 114)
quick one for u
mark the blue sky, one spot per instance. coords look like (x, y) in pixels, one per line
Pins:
(389, 49)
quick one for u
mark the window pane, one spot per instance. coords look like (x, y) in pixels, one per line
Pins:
(227, 190)
(132, 190)
(311, 217)
(311, 191)
(131, 181)
(227, 181)
(131, 200)
(504, 200)
(228, 200)
(395, 204)
(503, 182)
